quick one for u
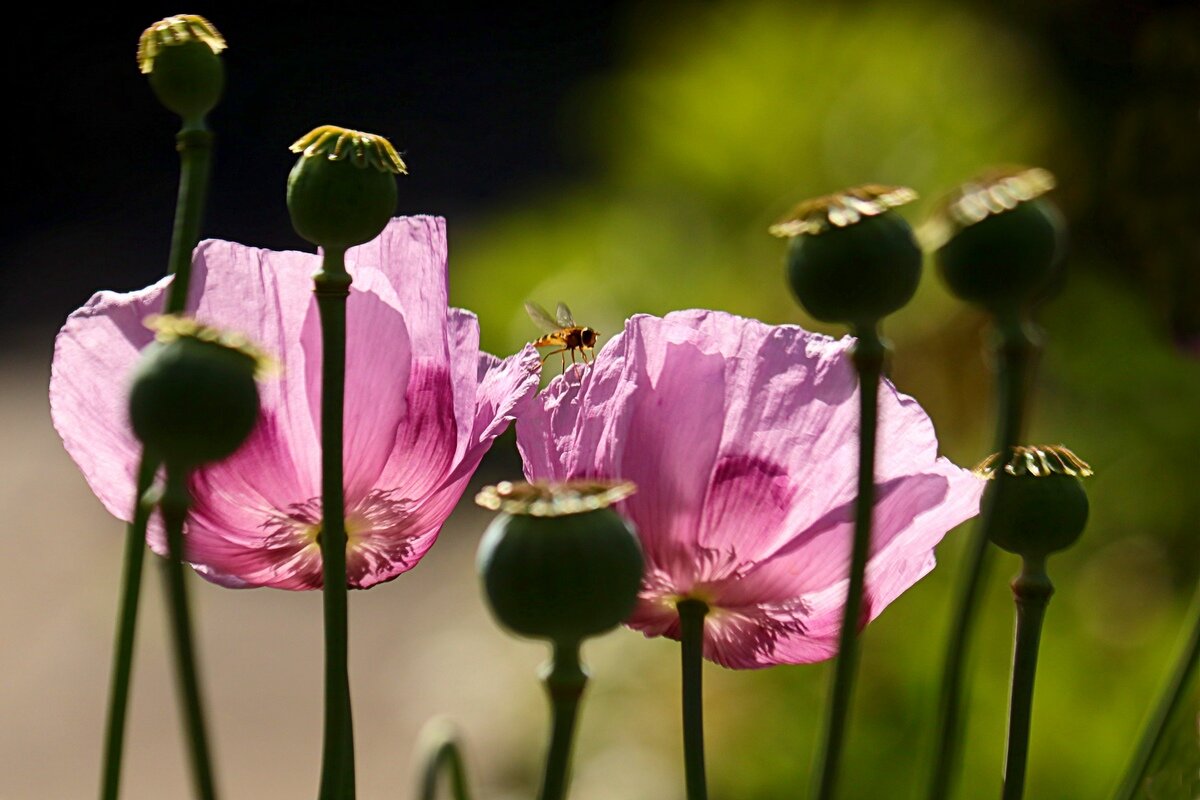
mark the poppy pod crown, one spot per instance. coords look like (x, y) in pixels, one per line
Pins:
(558, 563)
(180, 54)
(998, 240)
(342, 191)
(850, 258)
(1039, 504)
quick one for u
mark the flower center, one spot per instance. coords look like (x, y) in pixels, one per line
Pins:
(376, 532)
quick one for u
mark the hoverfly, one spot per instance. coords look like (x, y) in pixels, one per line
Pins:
(562, 332)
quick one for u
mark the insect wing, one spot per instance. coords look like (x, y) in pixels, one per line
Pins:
(541, 317)
(565, 319)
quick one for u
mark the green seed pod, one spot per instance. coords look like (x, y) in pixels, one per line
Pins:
(1039, 506)
(558, 564)
(193, 398)
(180, 56)
(850, 259)
(999, 243)
(342, 191)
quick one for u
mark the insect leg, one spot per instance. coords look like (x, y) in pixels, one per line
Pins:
(552, 352)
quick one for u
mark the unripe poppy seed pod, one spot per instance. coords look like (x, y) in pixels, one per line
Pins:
(999, 242)
(180, 54)
(557, 564)
(1039, 507)
(850, 258)
(193, 398)
(342, 191)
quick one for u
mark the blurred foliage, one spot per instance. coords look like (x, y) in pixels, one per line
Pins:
(726, 117)
(1176, 769)
(723, 116)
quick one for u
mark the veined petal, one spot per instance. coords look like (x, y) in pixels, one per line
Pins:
(379, 368)
(504, 386)
(267, 296)
(671, 439)
(422, 406)
(743, 440)
(93, 356)
(410, 255)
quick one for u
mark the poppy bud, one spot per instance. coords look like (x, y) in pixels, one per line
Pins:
(1039, 506)
(850, 259)
(999, 242)
(193, 397)
(180, 55)
(342, 191)
(557, 563)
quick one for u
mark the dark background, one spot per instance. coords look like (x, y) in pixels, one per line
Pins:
(473, 96)
(469, 95)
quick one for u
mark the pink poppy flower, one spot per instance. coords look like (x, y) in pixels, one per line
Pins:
(743, 441)
(422, 407)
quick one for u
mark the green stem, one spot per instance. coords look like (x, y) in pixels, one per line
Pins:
(174, 504)
(332, 286)
(195, 161)
(1031, 590)
(565, 679)
(868, 357)
(1172, 695)
(691, 639)
(122, 664)
(194, 144)
(349, 779)
(441, 752)
(1015, 348)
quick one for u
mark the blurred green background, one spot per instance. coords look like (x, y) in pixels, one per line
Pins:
(694, 126)
(718, 118)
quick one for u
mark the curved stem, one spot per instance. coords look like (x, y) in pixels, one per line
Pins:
(565, 679)
(194, 144)
(195, 162)
(332, 286)
(1031, 590)
(174, 504)
(868, 358)
(441, 752)
(691, 639)
(122, 663)
(1015, 348)
(1172, 695)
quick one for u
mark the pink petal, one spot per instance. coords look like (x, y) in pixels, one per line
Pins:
(668, 445)
(463, 341)
(267, 296)
(410, 254)
(379, 367)
(93, 356)
(505, 386)
(422, 407)
(743, 439)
